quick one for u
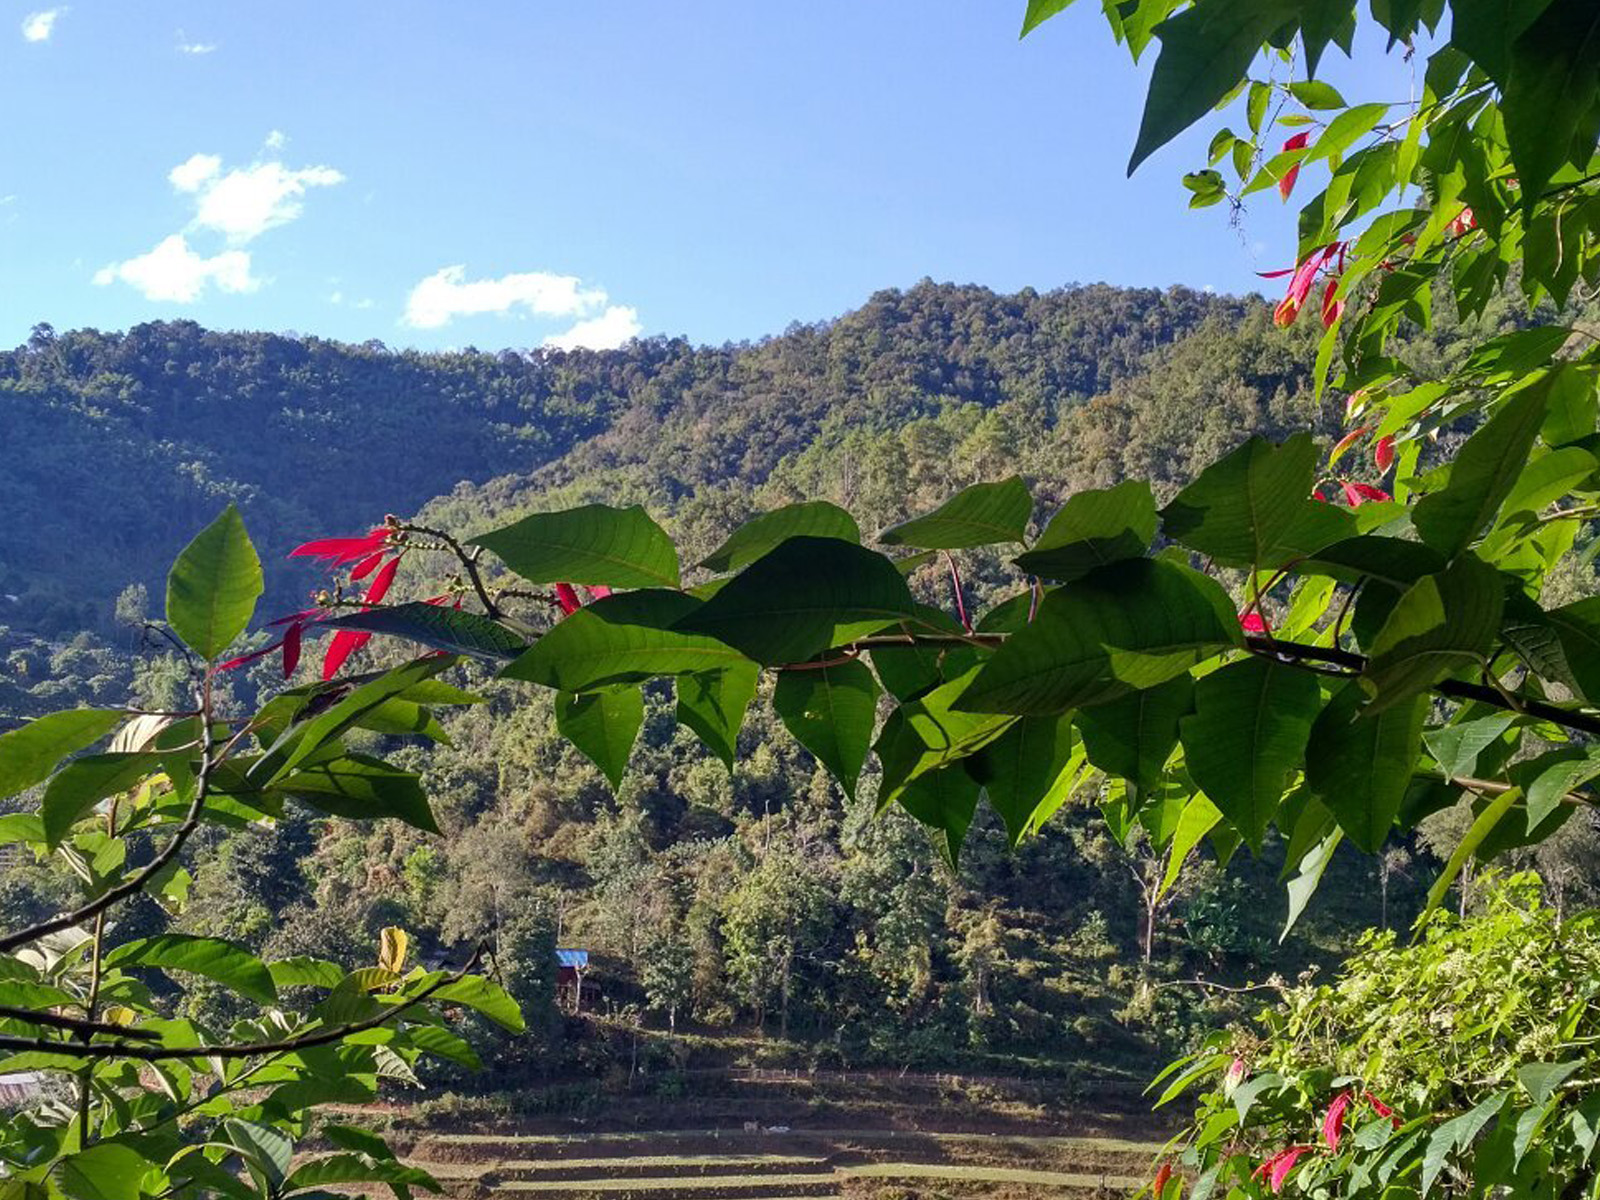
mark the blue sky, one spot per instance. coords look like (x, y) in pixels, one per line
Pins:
(508, 172)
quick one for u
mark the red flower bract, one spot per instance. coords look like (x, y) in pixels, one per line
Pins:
(1159, 1184)
(347, 641)
(1298, 142)
(1383, 453)
(1333, 1120)
(1252, 622)
(567, 598)
(1277, 1168)
(1359, 493)
(338, 551)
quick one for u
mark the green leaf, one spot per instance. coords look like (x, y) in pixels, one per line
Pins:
(1457, 1134)
(1542, 1079)
(302, 971)
(1390, 560)
(1553, 775)
(804, 597)
(1253, 507)
(1442, 624)
(945, 800)
(20, 827)
(1577, 631)
(980, 515)
(306, 737)
(1022, 770)
(435, 625)
(29, 753)
(1483, 472)
(362, 789)
(713, 704)
(626, 638)
(1360, 762)
(1316, 95)
(1092, 529)
(267, 1150)
(1247, 736)
(1040, 11)
(213, 587)
(104, 1171)
(362, 1141)
(830, 709)
(1481, 828)
(1205, 51)
(927, 733)
(1132, 737)
(226, 962)
(1308, 874)
(1473, 729)
(595, 544)
(813, 518)
(482, 996)
(360, 1168)
(1198, 818)
(603, 725)
(1124, 627)
(1549, 94)
(86, 781)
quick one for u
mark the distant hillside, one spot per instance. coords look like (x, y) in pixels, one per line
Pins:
(120, 445)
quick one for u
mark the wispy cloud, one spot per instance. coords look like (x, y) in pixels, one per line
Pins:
(174, 271)
(448, 294)
(240, 204)
(609, 330)
(38, 26)
(185, 46)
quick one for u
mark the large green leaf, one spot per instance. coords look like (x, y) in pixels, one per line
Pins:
(86, 781)
(1253, 506)
(811, 518)
(1205, 51)
(1360, 762)
(30, 752)
(1484, 471)
(713, 704)
(1131, 625)
(924, 734)
(319, 1173)
(1023, 768)
(980, 515)
(226, 962)
(945, 800)
(594, 544)
(213, 587)
(603, 725)
(103, 1171)
(364, 789)
(1549, 94)
(830, 708)
(304, 738)
(626, 638)
(1576, 628)
(1247, 737)
(1391, 560)
(1131, 738)
(449, 629)
(802, 598)
(479, 994)
(1092, 529)
(1442, 624)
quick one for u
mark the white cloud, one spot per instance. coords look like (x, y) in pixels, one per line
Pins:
(606, 332)
(198, 169)
(247, 201)
(276, 140)
(38, 26)
(185, 46)
(448, 293)
(173, 271)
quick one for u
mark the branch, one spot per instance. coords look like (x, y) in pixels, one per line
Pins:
(105, 1050)
(74, 1024)
(469, 563)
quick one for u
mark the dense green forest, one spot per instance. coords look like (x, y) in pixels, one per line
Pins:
(755, 899)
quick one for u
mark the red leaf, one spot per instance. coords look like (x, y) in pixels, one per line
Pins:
(234, 663)
(366, 566)
(1383, 453)
(1159, 1184)
(1298, 142)
(1288, 309)
(1251, 622)
(339, 551)
(345, 643)
(1344, 443)
(1277, 1168)
(291, 649)
(567, 598)
(1333, 1120)
(1382, 1109)
(1332, 307)
(1359, 493)
(379, 588)
(598, 592)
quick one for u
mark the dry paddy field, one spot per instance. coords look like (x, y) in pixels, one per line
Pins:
(781, 1164)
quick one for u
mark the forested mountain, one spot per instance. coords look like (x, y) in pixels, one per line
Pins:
(713, 899)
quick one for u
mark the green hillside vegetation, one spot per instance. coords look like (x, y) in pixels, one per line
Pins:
(719, 904)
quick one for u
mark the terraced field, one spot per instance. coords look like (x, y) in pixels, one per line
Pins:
(780, 1164)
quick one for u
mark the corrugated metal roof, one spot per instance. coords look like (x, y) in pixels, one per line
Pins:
(572, 958)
